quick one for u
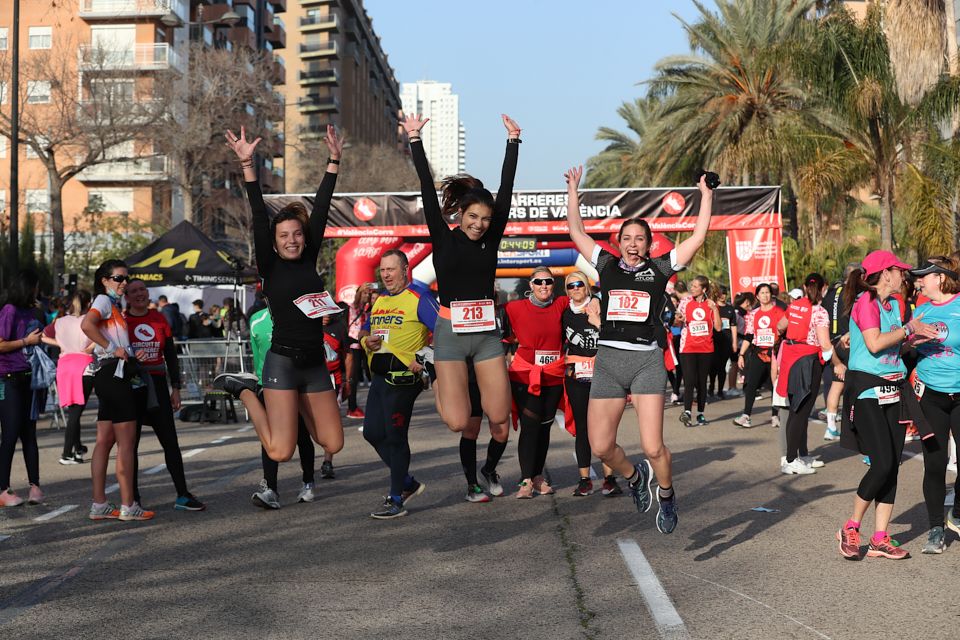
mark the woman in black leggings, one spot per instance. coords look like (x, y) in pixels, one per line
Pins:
(699, 317)
(757, 350)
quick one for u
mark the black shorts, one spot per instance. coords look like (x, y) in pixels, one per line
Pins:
(280, 372)
(117, 398)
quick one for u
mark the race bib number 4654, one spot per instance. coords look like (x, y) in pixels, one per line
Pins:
(316, 305)
(472, 316)
(626, 305)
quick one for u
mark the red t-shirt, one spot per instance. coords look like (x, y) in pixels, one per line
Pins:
(697, 333)
(148, 333)
(539, 330)
(762, 325)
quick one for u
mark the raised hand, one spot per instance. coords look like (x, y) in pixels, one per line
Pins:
(413, 123)
(702, 185)
(240, 146)
(513, 129)
(573, 175)
(334, 143)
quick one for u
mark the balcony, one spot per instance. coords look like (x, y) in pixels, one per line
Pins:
(328, 22)
(279, 6)
(312, 131)
(121, 112)
(315, 3)
(320, 50)
(318, 104)
(278, 70)
(324, 76)
(141, 57)
(277, 35)
(153, 169)
(115, 9)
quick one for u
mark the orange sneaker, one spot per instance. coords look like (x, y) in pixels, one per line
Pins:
(886, 549)
(541, 486)
(525, 490)
(849, 539)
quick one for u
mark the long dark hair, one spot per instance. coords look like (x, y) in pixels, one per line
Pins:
(461, 191)
(293, 211)
(857, 284)
(22, 292)
(641, 223)
(813, 287)
(105, 270)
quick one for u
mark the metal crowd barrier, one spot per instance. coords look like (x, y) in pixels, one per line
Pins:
(202, 360)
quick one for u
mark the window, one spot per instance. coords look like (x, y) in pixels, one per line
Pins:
(113, 200)
(41, 37)
(3, 146)
(38, 201)
(31, 153)
(3, 93)
(38, 91)
(3, 38)
(3, 201)
(106, 90)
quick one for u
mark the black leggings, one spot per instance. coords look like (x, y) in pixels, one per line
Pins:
(756, 375)
(164, 426)
(942, 410)
(676, 376)
(386, 426)
(357, 370)
(696, 368)
(718, 363)
(797, 422)
(536, 419)
(15, 424)
(578, 394)
(880, 435)
(71, 436)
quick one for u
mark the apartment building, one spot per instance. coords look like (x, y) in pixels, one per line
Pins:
(337, 73)
(445, 139)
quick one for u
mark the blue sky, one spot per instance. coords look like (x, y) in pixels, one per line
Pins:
(560, 68)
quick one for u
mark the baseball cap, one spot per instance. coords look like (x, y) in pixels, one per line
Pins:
(929, 267)
(796, 294)
(877, 261)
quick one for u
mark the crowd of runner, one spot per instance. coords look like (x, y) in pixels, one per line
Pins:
(880, 343)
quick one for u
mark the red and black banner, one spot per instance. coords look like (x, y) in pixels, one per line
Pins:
(545, 212)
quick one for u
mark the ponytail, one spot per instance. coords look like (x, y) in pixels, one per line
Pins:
(813, 287)
(857, 284)
(461, 191)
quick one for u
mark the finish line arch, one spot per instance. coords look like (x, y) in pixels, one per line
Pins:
(376, 222)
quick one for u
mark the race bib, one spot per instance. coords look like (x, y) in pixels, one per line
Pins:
(583, 370)
(543, 358)
(472, 316)
(383, 334)
(887, 395)
(626, 305)
(725, 323)
(918, 387)
(764, 339)
(317, 305)
(699, 328)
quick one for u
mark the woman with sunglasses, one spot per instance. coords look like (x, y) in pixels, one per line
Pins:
(757, 348)
(113, 381)
(465, 258)
(632, 338)
(536, 376)
(295, 377)
(936, 382)
(581, 330)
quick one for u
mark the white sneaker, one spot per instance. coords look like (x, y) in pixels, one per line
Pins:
(952, 466)
(265, 497)
(674, 398)
(743, 422)
(798, 467)
(813, 462)
(830, 435)
(306, 493)
(775, 422)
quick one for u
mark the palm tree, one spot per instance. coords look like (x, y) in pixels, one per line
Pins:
(620, 164)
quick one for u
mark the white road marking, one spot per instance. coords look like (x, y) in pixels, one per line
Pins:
(156, 469)
(221, 440)
(665, 616)
(2, 538)
(245, 429)
(112, 489)
(192, 452)
(56, 512)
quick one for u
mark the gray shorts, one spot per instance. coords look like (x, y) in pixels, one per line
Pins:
(618, 372)
(280, 372)
(457, 347)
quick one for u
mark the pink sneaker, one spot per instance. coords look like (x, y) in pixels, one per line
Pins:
(9, 499)
(541, 486)
(525, 490)
(36, 495)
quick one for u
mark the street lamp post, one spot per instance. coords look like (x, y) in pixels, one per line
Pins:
(14, 259)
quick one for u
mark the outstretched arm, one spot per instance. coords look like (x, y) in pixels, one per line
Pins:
(412, 124)
(501, 207)
(689, 247)
(321, 203)
(584, 243)
(262, 242)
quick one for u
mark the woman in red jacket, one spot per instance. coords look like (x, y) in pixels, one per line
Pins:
(699, 317)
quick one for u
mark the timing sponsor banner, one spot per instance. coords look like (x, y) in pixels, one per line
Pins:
(545, 212)
(755, 256)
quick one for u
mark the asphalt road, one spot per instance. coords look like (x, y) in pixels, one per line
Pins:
(553, 567)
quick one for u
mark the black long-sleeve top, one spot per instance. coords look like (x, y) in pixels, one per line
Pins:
(285, 281)
(466, 269)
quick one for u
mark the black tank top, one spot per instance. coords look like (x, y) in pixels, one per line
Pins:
(651, 279)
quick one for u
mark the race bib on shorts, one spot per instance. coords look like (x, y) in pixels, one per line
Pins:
(583, 370)
(764, 338)
(699, 328)
(317, 305)
(626, 305)
(472, 316)
(543, 358)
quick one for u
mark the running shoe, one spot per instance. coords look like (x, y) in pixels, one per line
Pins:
(76, 458)
(701, 421)
(356, 413)
(524, 490)
(82, 450)
(9, 499)
(775, 422)
(814, 462)
(667, 515)
(935, 541)
(415, 489)
(831, 435)
(640, 488)
(265, 497)
(584, 487)
(389, 510)
(106, 512)
(866, 460)
(849, 539)
(235, 383)
(35, 496)
(912, 435)
(189, 502)
(798, 467)
(610, 487)
(541, 486)
(326, 470)
(953, 522)
(686, 419)
(952, 466)
(743, 422)
(490, 480)
(674, 398)
(306, 493)
(822, 415)
(886, 549)
(135, 512)
(475, 493)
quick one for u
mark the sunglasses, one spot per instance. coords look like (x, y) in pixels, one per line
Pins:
(575, 285)
(542, 281)
(118, 279)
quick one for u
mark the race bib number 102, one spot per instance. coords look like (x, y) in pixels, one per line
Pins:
(626, 305)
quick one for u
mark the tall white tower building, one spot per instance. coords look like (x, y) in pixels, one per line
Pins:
(444, 139)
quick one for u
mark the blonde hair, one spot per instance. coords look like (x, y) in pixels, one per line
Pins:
(540, 269)
(580, 275)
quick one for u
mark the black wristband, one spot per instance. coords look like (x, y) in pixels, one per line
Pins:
(514, 141)
(332, 161)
